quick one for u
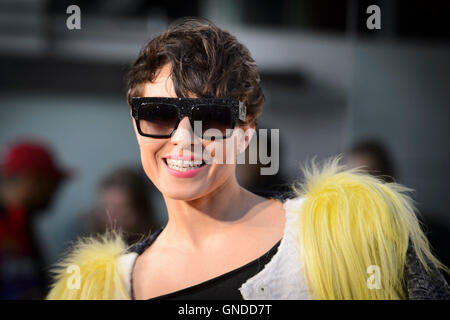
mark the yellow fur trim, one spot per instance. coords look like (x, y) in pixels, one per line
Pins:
(351, 221)
(90, 271)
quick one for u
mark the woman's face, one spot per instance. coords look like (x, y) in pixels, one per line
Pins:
(185, 183)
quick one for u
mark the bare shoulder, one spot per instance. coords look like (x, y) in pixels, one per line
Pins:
(271, 212)
(265, 224)
(152, 273)
(274, 215)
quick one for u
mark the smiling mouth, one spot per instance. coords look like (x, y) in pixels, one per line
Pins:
(184, 165)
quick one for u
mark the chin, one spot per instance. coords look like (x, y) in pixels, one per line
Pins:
(185, 193)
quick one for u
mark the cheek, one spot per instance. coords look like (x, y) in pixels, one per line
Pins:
(149, 149)
(222, 151)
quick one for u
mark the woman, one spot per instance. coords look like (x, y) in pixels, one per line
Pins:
(344, 236)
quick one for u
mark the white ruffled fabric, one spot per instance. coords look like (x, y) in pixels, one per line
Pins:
(125, 266)
(282, 278)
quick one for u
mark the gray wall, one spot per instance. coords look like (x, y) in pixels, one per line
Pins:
(89, 134)
(401, 94)
(398, 93)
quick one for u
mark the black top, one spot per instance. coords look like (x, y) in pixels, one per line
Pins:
(225, 286)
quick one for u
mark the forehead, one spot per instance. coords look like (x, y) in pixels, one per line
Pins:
(162, 86)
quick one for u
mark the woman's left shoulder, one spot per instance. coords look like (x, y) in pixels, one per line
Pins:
(358, 221)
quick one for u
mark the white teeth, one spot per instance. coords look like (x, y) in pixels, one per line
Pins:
(183, 165)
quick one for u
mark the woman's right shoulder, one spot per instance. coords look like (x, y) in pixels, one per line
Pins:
(97, 268)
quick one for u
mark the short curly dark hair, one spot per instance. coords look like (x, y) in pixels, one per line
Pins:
(205, 62)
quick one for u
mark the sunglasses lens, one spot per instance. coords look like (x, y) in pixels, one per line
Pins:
(157, 119)
(215, 120)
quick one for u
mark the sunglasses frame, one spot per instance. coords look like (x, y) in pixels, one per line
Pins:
(185, 107)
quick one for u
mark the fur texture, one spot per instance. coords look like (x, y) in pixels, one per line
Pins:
(351, 221)
(100, 278)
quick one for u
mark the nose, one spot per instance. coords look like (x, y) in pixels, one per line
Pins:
(184, 134)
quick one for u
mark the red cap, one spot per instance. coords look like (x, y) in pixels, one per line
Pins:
(31, 157)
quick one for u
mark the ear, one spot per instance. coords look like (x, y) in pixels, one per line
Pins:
(245, 136)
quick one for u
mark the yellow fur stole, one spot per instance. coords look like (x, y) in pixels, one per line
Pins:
(354, 233)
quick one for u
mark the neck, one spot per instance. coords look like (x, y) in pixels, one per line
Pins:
(193, 224)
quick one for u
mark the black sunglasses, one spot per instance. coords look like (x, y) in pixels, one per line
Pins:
(159, 117)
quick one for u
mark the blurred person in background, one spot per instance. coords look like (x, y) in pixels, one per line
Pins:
(374, 157)
(123, 204)
(250, 177)
(30, 179)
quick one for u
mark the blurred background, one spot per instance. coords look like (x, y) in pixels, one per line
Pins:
(379, 97)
